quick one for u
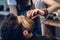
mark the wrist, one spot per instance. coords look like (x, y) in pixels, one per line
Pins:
(41, 12)
(45, 12)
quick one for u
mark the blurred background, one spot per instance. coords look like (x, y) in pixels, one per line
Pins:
(4, 10)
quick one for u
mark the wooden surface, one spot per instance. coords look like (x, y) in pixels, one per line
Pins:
(50, 26)
(52, 23)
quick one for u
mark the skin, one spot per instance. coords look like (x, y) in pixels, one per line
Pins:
(27, 23)
(13, 8)
(52, 7)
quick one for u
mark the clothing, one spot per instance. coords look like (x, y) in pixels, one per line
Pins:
(13, 2)
(37, 3)
(22, 8)
(11, 30)
(37, 27)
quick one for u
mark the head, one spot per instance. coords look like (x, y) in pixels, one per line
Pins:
(17, 24)
(27, 25)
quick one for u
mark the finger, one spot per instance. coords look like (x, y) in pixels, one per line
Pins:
(41, 12)
(34, 17)
(32, 13)
(35, 12)
(28, 14)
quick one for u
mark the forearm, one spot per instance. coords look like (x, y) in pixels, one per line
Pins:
(53, 8)
(13, 10)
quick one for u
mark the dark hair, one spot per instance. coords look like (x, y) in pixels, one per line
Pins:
(13, 30)
(10, 29)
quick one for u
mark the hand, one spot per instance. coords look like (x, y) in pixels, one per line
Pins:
(34, 13)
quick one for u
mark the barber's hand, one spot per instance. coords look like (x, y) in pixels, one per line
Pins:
(34, 13)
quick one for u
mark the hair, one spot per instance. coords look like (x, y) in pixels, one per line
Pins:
(11, 29)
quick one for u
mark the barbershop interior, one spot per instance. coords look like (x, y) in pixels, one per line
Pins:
(29, 19)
